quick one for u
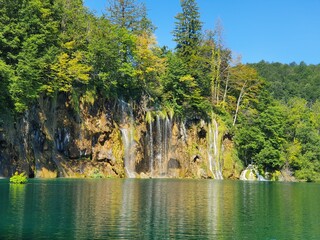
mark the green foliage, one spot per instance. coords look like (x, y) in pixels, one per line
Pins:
(261, 138)
(27, 43)
(19, 178)
(6, 74)
(69, 69)
(89, 96)
(149, 117)
(281, 135)
(96, 173)
(187, 33)
(103, 55)
(129, 14)
(291, 80)
(150, 66)
(182, 90)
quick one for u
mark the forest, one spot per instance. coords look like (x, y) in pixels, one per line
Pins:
(271, 110)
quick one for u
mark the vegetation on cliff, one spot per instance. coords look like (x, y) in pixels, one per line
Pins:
(270, 111)
(19, 178)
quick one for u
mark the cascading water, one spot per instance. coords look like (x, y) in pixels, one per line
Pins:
(62, 139)
(183, 132)
(210, 148)
(159, 144)
(151, 159)
(251, 173)
(128, 142)
(166, 139)
(159, 135)
(127, 132)
(82, 153)
(217, 150)
(261, 178)
(213, 150)
(25, 133)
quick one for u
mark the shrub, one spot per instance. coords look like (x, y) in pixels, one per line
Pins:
(96, 174)
(19, 178)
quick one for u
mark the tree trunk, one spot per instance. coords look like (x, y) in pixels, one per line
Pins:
(242, 92)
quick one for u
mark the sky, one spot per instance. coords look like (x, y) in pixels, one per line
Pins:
(272, 30)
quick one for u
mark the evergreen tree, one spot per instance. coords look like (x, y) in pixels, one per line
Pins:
(129, 14)
(187, 33)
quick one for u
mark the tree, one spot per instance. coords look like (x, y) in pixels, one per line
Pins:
(74, 22)
(129, 14)
(287, 81)
(261, 137)
(245, 83)
(150, 66)
(28, 43)
(103, 55)
(187, 32)
(68, 69)
(219, 65)
(6, 74)
(303, 135)
(182, 91)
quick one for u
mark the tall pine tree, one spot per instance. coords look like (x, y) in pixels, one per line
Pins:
(129, 14)
(187, 33)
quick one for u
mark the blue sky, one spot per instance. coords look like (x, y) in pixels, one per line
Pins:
(271, 30)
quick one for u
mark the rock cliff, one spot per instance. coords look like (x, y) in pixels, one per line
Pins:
(113, 139)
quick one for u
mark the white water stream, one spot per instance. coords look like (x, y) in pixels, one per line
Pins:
(159, 140)
(214, 150)
(127, 132)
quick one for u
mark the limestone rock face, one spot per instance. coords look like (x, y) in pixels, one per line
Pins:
(53, 140)
(106, 139)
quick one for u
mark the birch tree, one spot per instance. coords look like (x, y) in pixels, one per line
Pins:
(246, 83)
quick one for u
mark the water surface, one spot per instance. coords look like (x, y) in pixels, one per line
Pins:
(159, 209)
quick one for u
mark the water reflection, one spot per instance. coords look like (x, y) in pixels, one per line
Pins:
(158, 209)
(16, 199)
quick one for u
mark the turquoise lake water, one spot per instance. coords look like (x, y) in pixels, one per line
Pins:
(159, 209)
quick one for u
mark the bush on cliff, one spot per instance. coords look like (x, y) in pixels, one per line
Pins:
(19, 178)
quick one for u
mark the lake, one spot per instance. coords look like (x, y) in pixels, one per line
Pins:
(158, 209)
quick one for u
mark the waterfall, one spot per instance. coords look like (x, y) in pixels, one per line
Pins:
(82, 153)
(129, 157)
(251, 173)
(159, 144)
(26, 129)
(210, 147)
(217, 151)
(166, 139)
(158, 140)
(261, 178)
(127, 133)
(25, 144)
(151, 160)
(62, 139)
(214, 150)
(165, 142)
(167, 134)
(183, 132)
